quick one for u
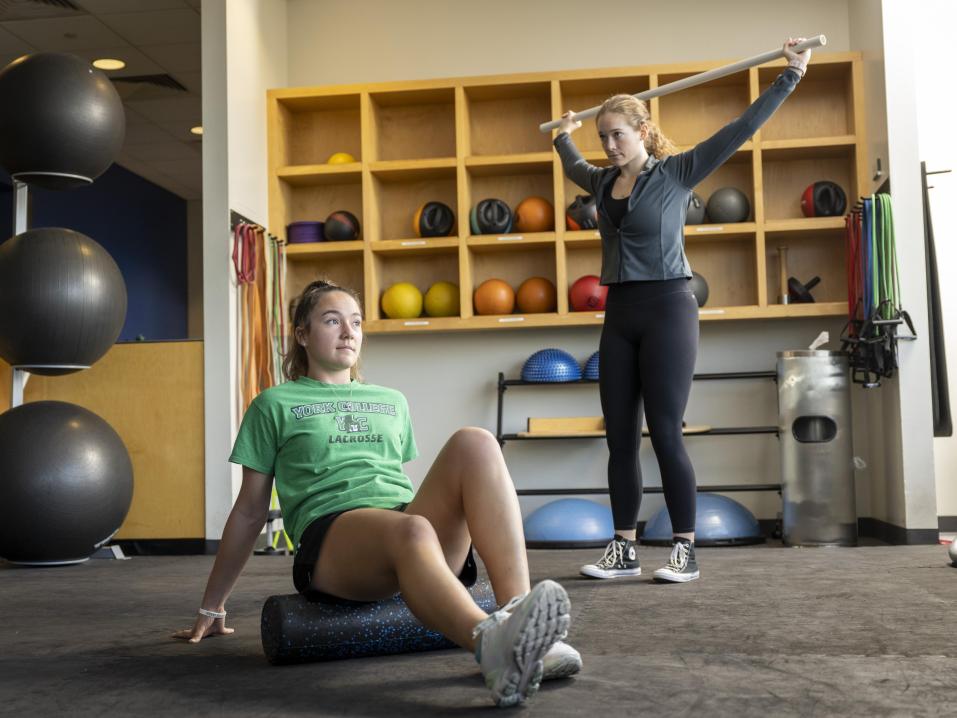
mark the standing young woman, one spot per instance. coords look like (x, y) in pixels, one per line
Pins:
(336, 447)
(649, 340)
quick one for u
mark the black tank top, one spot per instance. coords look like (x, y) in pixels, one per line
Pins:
(615, 208)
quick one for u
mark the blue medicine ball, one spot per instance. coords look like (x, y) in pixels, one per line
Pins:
(720, 521)
(569, 523)
(591, 367)
(551, 365)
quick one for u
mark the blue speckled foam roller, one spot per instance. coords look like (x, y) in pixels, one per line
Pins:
(295, 630)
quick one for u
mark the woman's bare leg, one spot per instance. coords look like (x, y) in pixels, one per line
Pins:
(369, 554)
(468, 497)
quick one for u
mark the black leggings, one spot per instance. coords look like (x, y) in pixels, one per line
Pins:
(648, 348)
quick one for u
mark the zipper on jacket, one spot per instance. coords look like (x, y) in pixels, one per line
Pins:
(620, 258)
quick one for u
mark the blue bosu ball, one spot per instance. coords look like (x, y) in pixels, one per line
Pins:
(551, 365)
(591, 367)
(720, 521)
(569, 523)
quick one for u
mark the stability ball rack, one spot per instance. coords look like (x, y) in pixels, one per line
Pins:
(504, 384)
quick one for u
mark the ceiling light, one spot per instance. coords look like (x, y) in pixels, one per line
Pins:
(107, 63)
(198, 130)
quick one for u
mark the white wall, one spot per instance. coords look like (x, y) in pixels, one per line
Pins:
(243, 56)
(911, 484)
(936, 112)
(340, 41)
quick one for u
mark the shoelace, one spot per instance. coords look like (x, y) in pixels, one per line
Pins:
(679, 557)
(614, 554)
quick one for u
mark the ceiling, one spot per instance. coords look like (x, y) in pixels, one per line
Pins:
(154, 38)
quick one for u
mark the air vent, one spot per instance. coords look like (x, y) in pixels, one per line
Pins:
(38, 9)
(164, 81)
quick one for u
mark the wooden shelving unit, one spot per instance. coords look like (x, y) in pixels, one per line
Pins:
(464, 139)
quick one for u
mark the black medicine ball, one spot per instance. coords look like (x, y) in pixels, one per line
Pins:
(341, 226)
(823, 199)
(695, 210)
(582, 213)
(433, 219)
(490, 216)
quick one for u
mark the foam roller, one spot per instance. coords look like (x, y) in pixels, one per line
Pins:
(295, 630)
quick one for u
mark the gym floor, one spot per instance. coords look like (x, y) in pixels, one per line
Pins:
(869, 631)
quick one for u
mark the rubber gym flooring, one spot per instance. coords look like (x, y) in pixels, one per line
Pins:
(868, 631)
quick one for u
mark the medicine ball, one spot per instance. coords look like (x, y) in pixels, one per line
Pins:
(340, 158)
(66, 483)
(698, 287)
(587, 294)
(823, 199)
(728, 204)
(490, 216)
(534, 214)
(62, 300)
(61, 120)
(582, 213)
(341, 226)
(402, 300)
(536, 295)
(442, 300)
(433, 219)
(695, 210)
(494, 296)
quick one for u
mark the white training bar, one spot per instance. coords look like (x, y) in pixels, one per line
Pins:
(700, 78)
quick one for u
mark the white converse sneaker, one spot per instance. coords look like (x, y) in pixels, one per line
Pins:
(620, 559)
(510, 646)
(561, 660)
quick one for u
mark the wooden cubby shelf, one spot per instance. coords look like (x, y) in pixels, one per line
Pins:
(461, 140)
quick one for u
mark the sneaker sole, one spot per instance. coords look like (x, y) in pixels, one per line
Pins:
(547, 622)
(613, 573)
(677, 577)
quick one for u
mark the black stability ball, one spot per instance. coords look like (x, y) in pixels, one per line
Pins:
(62, 300)
(66, 483)
(61, 120)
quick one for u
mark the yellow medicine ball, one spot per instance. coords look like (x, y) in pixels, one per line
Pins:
(442, 300)
(402, 301)
(340, 158)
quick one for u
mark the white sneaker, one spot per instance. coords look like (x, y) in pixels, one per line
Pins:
(510, 647)
(561, 660)
(620, 559)
(682, 566)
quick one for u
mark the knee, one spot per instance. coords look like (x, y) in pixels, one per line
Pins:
(476, 441)
(667, 438)
(412, 532)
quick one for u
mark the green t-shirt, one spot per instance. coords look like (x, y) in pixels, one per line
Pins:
(330, 446)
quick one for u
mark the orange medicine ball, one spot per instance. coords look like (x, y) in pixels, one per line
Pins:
(493, 296)
(537, 295)
(534, 214)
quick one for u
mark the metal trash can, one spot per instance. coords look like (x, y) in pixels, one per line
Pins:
(817, 462)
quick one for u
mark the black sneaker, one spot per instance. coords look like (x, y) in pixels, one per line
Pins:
(681, 566)
(620, 559)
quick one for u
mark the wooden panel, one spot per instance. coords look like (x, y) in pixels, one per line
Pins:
(818, 107)
(506, 122)
(314, 135)
(728, 267)
(692, 115)
(399, 200)
(414, 125)
(785, 181)
(151, 393)
(314, 204)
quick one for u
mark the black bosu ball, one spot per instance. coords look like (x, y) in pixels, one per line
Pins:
(62, 300)
(66, 483)
(61, 121)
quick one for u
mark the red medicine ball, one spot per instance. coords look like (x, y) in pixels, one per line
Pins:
(587, 294)
(823, 199)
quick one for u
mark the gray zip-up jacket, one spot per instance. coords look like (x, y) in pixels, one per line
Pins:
(650, 242)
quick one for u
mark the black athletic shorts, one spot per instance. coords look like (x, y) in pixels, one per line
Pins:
(310, 544)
